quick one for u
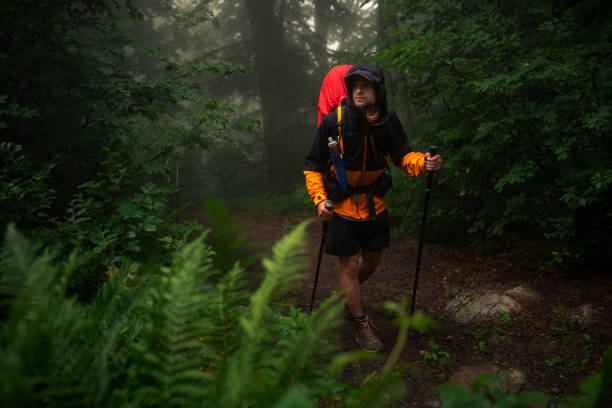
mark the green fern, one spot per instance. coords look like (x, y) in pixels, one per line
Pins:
(43, 355)
(168, 354)
(183, 335)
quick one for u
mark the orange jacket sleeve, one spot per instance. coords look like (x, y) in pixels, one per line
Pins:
(413, 163)
(316, 164)
(314, 184)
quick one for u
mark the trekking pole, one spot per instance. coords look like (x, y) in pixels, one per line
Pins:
(330, 206)
(432, 152)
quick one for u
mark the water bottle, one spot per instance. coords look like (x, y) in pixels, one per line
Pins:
(336, 157)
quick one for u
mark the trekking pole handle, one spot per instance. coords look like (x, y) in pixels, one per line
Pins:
(433, 150)
(329, 205)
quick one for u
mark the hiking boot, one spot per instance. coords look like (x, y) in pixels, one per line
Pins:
(365, 336)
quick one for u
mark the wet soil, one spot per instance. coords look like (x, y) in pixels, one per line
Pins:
(544, 342)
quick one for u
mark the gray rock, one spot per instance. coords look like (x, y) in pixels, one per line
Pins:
(466, 375)
(512, 379)
(431, 403)
(480, 306)
(584, 314)
(519, 293)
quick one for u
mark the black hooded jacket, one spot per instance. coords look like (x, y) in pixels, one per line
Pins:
(365, 146)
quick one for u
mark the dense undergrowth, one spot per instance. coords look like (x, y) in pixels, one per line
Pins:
(516, 95)
(192, 334)
(186, 334)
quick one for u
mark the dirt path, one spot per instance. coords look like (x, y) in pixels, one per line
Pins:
(543, 341)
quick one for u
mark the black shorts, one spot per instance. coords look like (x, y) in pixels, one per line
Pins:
(346, 238)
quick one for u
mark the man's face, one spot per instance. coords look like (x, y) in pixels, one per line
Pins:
(364, 93)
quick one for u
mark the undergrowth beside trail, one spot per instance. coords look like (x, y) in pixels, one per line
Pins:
(186, 334)
(296, 202)
(193, 333)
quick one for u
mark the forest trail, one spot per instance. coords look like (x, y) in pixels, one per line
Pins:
(545, 342)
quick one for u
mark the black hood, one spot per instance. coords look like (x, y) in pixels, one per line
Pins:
(371, 72)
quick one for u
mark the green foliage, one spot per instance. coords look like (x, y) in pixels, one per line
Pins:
(517, 95)
(90, 87)
(295, 202)
(436, 355)
(504, 317)
(596, 389)
(226, 240)
(486, 392)
(94, 124)
(186, 334)
(25, 191)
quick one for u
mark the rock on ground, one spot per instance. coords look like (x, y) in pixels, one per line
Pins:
(512, 379)
(480, 306)
(584, 314)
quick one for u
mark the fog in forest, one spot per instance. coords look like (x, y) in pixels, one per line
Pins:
(286, 48)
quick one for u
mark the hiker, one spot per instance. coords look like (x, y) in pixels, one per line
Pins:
(358, 229)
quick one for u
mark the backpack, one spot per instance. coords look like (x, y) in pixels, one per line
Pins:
(332, 94)
(333, 90)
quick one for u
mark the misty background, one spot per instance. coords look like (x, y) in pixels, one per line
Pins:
(288, 46)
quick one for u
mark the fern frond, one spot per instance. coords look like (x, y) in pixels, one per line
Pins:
(281, 272)
(186, 335)
(113, 312)
(44, 333)
(170, 353)
(279, 352)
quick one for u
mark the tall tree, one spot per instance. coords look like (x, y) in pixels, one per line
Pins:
(288, 44)
(273, 78)
(322, 26)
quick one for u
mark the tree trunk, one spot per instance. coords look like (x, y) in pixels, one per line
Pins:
(322, 15)
(273, 82)
(394, 79)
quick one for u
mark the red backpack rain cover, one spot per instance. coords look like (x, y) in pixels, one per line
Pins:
(333, 90)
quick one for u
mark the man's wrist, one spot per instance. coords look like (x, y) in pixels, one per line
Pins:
(320, 199)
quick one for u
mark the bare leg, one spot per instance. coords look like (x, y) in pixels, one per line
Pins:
(349, 282)
(368, 262)
(353, 271)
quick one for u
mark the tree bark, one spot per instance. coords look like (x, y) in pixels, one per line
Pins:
(322, 15)
(273, 82)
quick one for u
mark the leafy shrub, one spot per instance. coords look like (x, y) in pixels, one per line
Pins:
(516, 94)
(93, 131)
(597, 388)
(436, 355)
(295, 202)
(26, 193)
